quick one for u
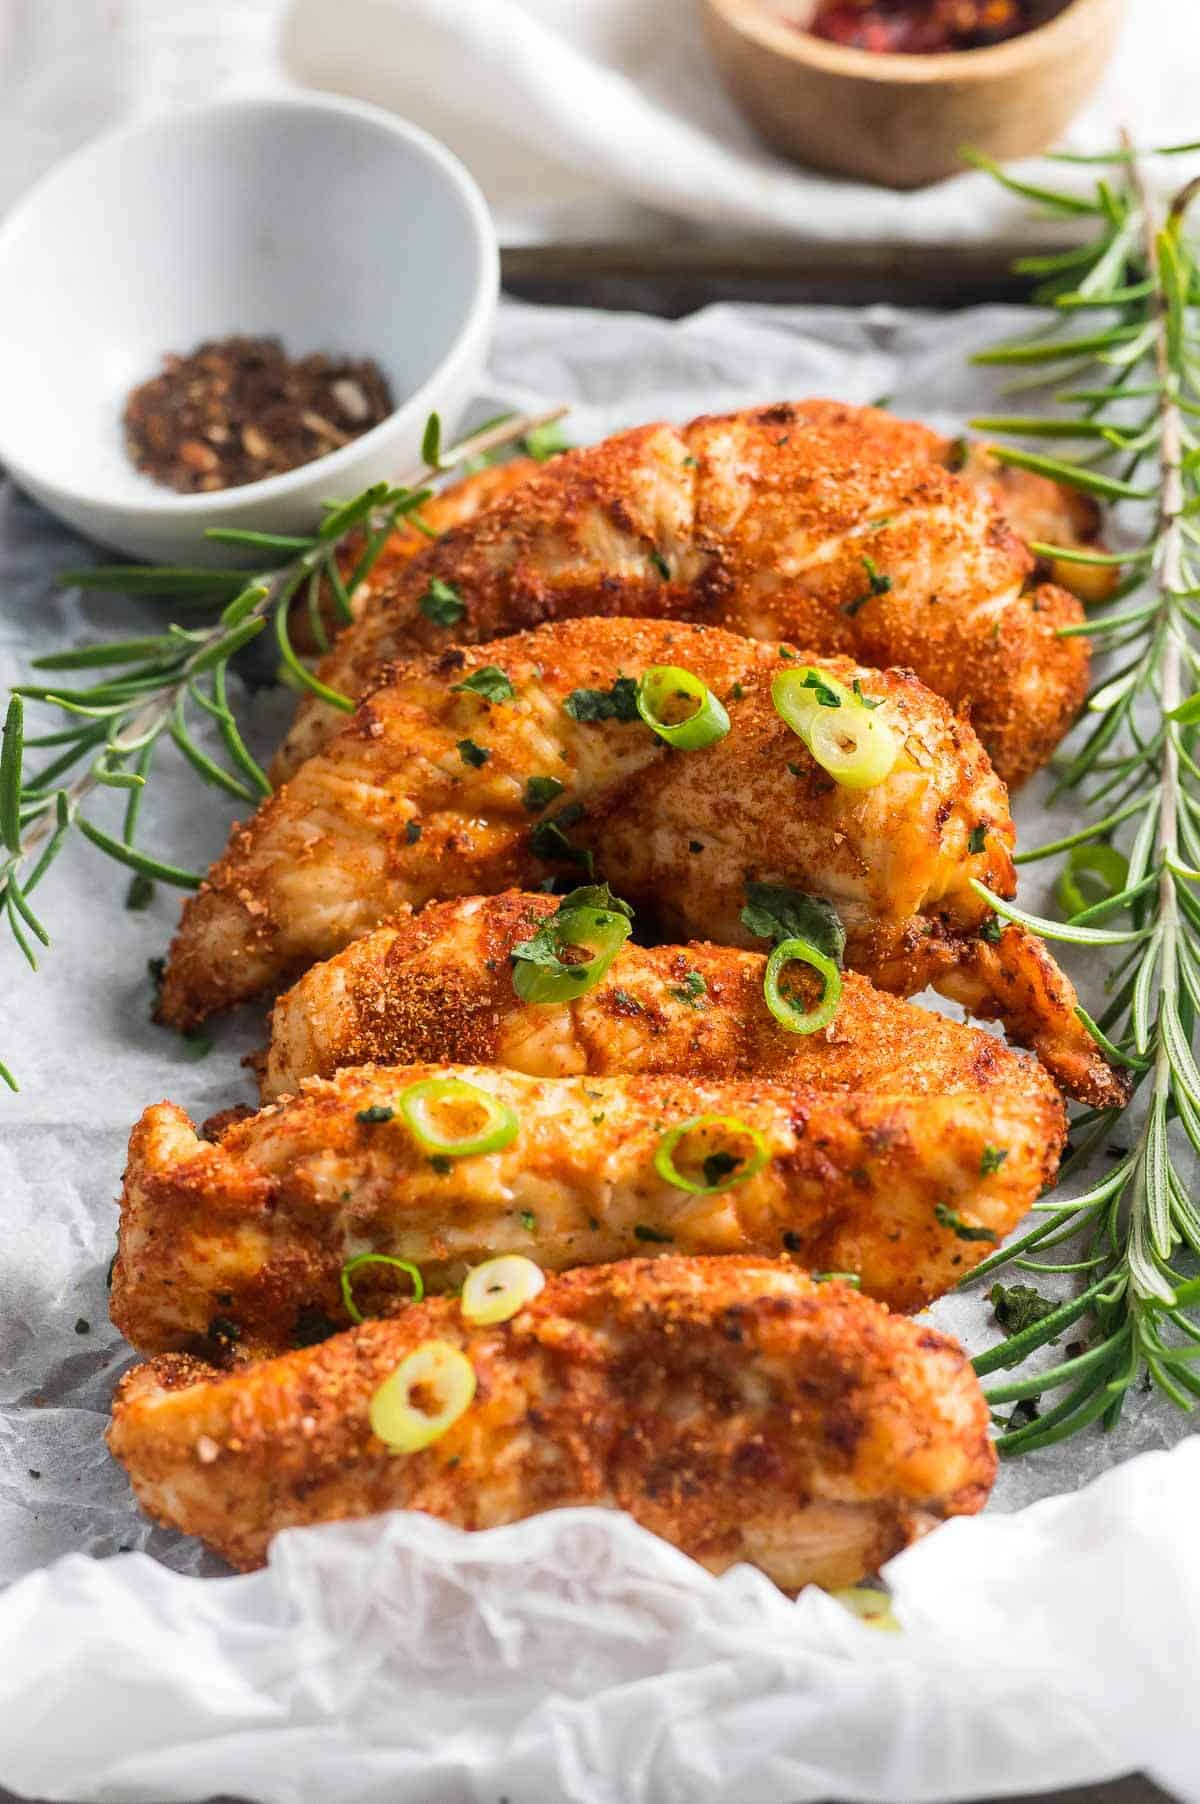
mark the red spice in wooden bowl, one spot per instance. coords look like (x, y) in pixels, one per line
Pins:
(920, 27)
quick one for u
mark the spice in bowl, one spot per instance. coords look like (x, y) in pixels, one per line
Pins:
(920, 27)
(237, 409)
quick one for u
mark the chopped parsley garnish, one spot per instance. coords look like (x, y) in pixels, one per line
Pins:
(629, 1003)
(661, 565)
(140, 893)
(442, 1164)
(442, 603)
(1019, 1306)
(490, 682)
(878, 584)
(642, 1232)
(528, 1220)
(224, 1328)
(957, 452)
(991, 930)
(378, 1111)
(736, 693)
(690, 989)
(690, 462)
(776, 913)
(866, 700)
(548, 840)
(617, 703)
(412, 832)
(977, 838)
(695, 847)
(540, 792)
(950, 1218)
(472, 754)
(196, 1045)
(719, 1165)
(545, 947)
(991, 1159)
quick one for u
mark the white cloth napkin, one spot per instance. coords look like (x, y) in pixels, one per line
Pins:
(563, 108)
(578, 1658)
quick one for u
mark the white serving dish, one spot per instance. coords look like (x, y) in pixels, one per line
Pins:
(329, 223)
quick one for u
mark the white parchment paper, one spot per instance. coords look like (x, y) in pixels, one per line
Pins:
(573, 1656)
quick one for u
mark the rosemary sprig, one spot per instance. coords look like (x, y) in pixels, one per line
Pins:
(1137, 775)
(151, 689)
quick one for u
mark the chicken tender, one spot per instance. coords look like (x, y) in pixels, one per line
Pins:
(439, 986)
(430, 792)
(836, 528)
(732, 1406)
(243, 1240)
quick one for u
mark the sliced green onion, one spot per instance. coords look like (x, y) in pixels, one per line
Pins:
(793, 1019)
(1107, 868)
(500, 1288)
(440, 1372)
(570, 952)
(725, 1171)
(659, 694)
(844, 734)
(418, 1102)
(360, 1259)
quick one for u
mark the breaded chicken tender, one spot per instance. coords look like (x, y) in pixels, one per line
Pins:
(732, 1406)
(835, 528)
(439, 986)
(242, 1240)
(431, 791)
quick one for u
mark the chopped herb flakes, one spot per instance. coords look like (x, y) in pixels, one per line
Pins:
(690, 989)
(661, 565)
(548, 840)
(378, 1111)
(442, 603)
(617, 703)
(877, 584)
(1019, 1306)
(719, 1165)
(775, 912)
(991, 930)
(140, 893)
(977, 838)
(950, 1218)
(412, 832)
(991, 1159)
(629, 1003)
(642, 1232)
(540, 792)
(442, 1164)
(528, 1220)
(472, 754)
(490, 683)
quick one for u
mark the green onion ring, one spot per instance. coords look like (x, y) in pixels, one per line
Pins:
(824, 714)
(360, 1259)
(708, 720)
(1100, 861)
(499, 1131)
(664, 1163)
(789, 1017)
(600, 930)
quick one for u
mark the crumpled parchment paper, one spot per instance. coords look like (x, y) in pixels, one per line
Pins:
(572, 1656)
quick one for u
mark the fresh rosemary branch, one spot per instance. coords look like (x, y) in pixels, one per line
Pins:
(152, 688)
(1132, 385)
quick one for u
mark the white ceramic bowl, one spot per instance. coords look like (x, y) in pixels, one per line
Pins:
(329, 223)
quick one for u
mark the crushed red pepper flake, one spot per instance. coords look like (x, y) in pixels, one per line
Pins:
(921, 27)
(237, 409)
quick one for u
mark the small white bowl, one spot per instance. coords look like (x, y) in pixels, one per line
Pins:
(325, 222)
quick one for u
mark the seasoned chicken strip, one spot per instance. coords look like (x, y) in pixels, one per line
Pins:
(439, 986)
(730, 1405)
(908, 1191)
(426, 794)
(833, 527)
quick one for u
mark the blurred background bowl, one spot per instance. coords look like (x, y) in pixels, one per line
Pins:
(328, 223)
(903, 120)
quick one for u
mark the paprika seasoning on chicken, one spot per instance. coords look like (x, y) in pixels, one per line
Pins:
(237, 409)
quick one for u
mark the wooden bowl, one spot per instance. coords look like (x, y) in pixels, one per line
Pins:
(903, 120)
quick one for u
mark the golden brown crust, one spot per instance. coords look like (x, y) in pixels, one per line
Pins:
(906, 1189)
(731, 1406)
(439, 986)
(778, 522)
(334, 852)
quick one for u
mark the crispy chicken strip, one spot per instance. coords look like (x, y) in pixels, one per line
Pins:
(907, 1191)
(730, 1405)
(834, 527)
(426, 794)
(438, 986)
